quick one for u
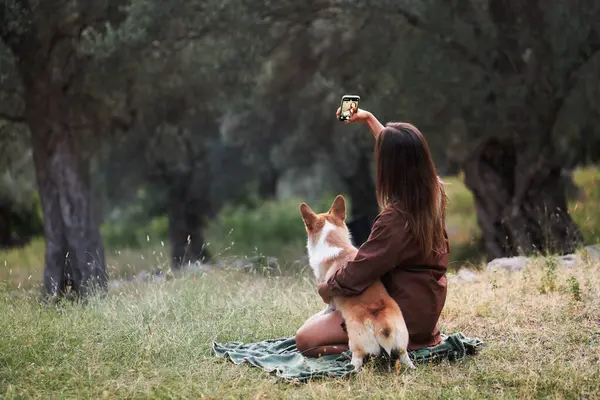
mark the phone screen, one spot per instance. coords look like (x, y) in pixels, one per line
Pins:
(348, 108)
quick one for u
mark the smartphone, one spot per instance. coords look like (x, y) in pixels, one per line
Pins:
(348, 106)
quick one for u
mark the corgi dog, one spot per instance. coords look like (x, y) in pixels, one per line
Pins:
(373, 319)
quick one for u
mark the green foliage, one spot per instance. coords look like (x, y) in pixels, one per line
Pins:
(134, 233)
(574, 288)
(23, 266)
(585, 210)
(132, 226)
(461, 223)
(548, 280)
(460, 199)
(274, 228)
(20, 211)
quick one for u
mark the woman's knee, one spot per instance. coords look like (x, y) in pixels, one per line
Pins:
(304, 339)
(321, 331)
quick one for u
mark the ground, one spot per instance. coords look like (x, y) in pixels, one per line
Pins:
(541, 330)
(541, 327)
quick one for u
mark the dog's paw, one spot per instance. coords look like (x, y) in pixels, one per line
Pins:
(357, 362)
(406, 361)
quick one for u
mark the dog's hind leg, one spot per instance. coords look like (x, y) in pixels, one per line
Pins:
(405, 359)
(361, 342)
(358, 356)
(355, 346)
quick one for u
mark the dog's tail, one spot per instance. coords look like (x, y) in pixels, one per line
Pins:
(386, 336)
(392, 340)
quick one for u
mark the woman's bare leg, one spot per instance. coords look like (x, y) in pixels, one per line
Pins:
(322, 335)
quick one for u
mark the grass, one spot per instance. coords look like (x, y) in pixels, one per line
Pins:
(585, 210)
(540, 326)
(153, 341)
(21, 268)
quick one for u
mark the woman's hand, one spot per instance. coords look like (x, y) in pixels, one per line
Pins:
(323, 289)
(360, 116)
(364, 117)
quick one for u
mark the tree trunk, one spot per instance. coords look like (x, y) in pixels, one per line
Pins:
(520, 210)
(267, 183)
(74, 253)
(364, 206)
(186, 219)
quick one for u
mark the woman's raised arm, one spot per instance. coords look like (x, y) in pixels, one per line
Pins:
(364, 117)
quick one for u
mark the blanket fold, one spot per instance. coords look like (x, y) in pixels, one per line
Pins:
(282, 358)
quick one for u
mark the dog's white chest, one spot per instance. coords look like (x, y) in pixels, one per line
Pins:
(321, 251)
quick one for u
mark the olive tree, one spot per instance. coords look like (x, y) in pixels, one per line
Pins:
(503, 73)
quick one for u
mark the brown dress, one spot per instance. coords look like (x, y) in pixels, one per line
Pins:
(417, 283)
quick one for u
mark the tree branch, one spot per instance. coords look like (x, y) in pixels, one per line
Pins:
(588, 51)
(306, 11)
(451, 42)
(301, 14)
(7, 15)
(15, 119)
(465, 11)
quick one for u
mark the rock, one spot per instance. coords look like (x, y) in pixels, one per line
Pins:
(273, 263)
(116, 283)
(259, 261)
(464, 276)
(519, 263)
(263, 261)
(508, 264)
(303, 261)
(196, 267)
(593, 251)
(142, 276)
(569, 261)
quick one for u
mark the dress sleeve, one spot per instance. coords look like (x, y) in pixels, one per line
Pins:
(385, 249)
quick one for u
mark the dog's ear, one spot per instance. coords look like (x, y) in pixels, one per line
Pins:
(308, 216)
(338, 208)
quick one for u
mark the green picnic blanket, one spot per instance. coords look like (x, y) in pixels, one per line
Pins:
(281, 357)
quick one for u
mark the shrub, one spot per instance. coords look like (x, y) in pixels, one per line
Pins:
(20, 212)
(274, 228)
(131, 226)
(585, 211)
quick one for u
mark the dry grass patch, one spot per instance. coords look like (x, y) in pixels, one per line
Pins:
(153, 341)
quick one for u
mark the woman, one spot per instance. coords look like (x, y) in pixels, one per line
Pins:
(407, 249)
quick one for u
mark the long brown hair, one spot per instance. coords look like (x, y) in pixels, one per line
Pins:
(407, 180)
